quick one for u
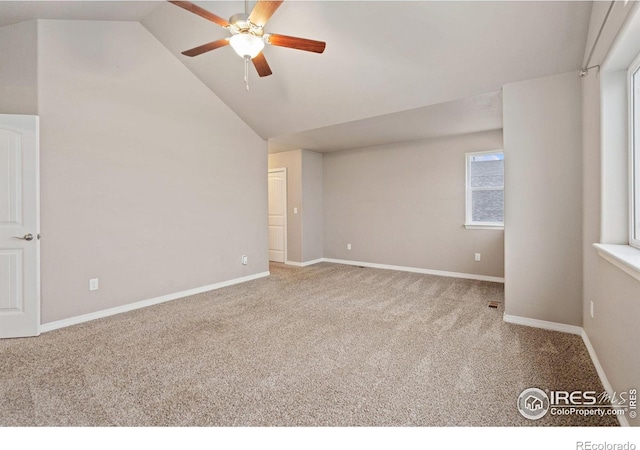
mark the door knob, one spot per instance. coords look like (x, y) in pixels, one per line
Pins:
(26, 237)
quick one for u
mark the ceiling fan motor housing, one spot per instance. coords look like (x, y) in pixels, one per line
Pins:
(240, 23)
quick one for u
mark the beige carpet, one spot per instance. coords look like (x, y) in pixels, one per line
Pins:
(323, 345)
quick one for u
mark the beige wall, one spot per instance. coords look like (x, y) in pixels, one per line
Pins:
(312, 206)
(404, 204)
(293, 162)
(18, 68)
(543, 199)
(613, 331)
(149, 182)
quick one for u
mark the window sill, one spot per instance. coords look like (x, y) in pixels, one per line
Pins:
(624, 257)
(475, 226)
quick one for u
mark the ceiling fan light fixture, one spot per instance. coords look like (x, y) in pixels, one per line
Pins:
(246, 45)
(248, 36)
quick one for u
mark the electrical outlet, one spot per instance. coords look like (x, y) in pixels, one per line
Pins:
(348, 246)
(245, 260)
(93, 284)
(592, 310)
(295, 210)
(478, 256)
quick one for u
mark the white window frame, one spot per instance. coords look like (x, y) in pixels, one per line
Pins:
(634, 158)
(615, 108)
(469, 223)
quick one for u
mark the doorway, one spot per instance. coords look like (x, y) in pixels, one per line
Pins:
(19, 227)
(277, 190)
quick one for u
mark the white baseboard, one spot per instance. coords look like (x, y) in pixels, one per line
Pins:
(304, 264)
(144, 303)
(469, 276)
(292, 263)
(312, 262)
(624, 422)
(545, 325)
(572, 329)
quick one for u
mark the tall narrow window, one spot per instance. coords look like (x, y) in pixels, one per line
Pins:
(634, 157)
(485, 190)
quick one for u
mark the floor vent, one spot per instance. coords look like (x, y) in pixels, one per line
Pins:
(494, 305)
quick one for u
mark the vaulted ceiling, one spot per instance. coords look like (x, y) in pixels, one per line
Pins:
(20, 11)
(385, 66)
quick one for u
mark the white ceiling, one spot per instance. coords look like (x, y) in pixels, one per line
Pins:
(385, 62)
(469, 115)
(20, 11)
(381, 57)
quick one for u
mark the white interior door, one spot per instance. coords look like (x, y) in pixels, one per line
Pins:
(19, 227)
(277, 215)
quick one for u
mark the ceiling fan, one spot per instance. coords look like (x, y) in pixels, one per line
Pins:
(247, 35)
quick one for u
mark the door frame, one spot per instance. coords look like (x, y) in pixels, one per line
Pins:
(286, 207)
(35, 231)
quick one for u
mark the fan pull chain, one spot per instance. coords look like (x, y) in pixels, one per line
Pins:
(246, 72)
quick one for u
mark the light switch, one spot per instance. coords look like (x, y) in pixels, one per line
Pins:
(295, 210)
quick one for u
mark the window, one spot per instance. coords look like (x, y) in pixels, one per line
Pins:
(634, 156)
(619, 82)
(485, 190)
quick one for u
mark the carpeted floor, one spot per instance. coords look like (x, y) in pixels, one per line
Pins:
(323, 345)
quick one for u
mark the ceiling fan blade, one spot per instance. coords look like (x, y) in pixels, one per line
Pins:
(261, 65)
(201, 12)
(263, 11)
(206, 47)
(298, 43)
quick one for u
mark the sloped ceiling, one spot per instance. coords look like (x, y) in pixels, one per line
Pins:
(469, 115)
(17, 11)
(389, 68)
(381, 58)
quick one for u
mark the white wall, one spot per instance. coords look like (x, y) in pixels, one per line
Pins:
(543, 199)
(404, 204)
(149, 182)
(18, 68)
